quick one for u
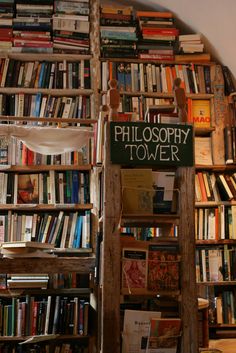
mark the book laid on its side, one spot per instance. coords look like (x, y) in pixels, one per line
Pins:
(163, 335)
(136, 329)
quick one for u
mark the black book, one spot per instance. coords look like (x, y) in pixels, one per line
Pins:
(228, 81)
(10, 73)
(207, 77)
(228, 142)
(87, 74)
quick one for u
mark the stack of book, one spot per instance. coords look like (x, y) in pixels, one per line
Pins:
(191, 43)
(6, 16)
(118, 32)
(28, 281)
(32, 26)
(158, 35)
(71, 26)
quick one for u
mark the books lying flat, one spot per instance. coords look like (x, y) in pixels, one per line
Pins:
(26, 244)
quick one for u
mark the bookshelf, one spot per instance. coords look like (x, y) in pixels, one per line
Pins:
(111, 320)
(70, 269)
(216, 239)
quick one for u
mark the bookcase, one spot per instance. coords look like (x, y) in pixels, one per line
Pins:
(215, 218)
(69, 98)
(113, 218)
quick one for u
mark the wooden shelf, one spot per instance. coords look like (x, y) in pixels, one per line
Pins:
(45, 57)
(216, 168)
(8, 119)
(214, 203)
(45, 168)
(60, 291)
(52, 92)
(46, 338)
(42, 207)
(48, 265)
(163, 94)
(173, 293)
(149, 219)
(223, 283)
(222, 326)
(136, 60)
(216, 242)
(203, 131)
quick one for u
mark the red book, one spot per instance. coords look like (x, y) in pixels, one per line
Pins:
(162, 31)
(34, 318)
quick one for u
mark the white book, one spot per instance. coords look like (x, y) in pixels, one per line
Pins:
(86, 230)
(46, 229)
(28, 74)
(2, 228)
(52, 186)
(46, 327)
(28, 227)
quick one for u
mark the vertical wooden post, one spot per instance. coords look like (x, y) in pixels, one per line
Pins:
(189, 343)
(110, 311)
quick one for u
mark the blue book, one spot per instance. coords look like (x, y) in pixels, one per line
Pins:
(75, 187)
(41, 74)
(37, 105)
(119, 35)
(78, 233)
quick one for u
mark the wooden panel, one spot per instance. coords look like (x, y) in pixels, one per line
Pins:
(110, 330)
(47, 265)
(187, 252)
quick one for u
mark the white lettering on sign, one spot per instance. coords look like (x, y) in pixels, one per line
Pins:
(152, 142)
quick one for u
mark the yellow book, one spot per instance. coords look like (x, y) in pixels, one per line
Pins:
(201, 115)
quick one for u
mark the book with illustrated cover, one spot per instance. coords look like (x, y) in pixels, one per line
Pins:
(163, 267)
(28, 188)
(163, 184)
(163, 335)
(201, 114)
(134, 269)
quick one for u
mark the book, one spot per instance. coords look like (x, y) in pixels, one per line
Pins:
(136, 329)
(201, 116)
(134, 269)
(203, 151)
(163, 268)
(28, 188)
(163, 184)
(137, 191)
(163, 335)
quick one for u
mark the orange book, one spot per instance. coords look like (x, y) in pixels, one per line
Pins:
(154, 14)
(169, 79)
(189, 108)
(202, 186)
(217, 223)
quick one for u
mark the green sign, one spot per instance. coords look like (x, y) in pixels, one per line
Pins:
(142, 143)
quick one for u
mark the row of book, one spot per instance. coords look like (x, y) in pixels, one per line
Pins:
(68, 187)
(153, 269)
(215, 186)
(225, 304)
(215, 264)
(54, 281)
(35, 348)
(14, 152)
(44, 74)
(143, 233)
(45, 106)
(51, 315)
(58, 26)
(148, 77)
(215, 223)
(62, 229)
